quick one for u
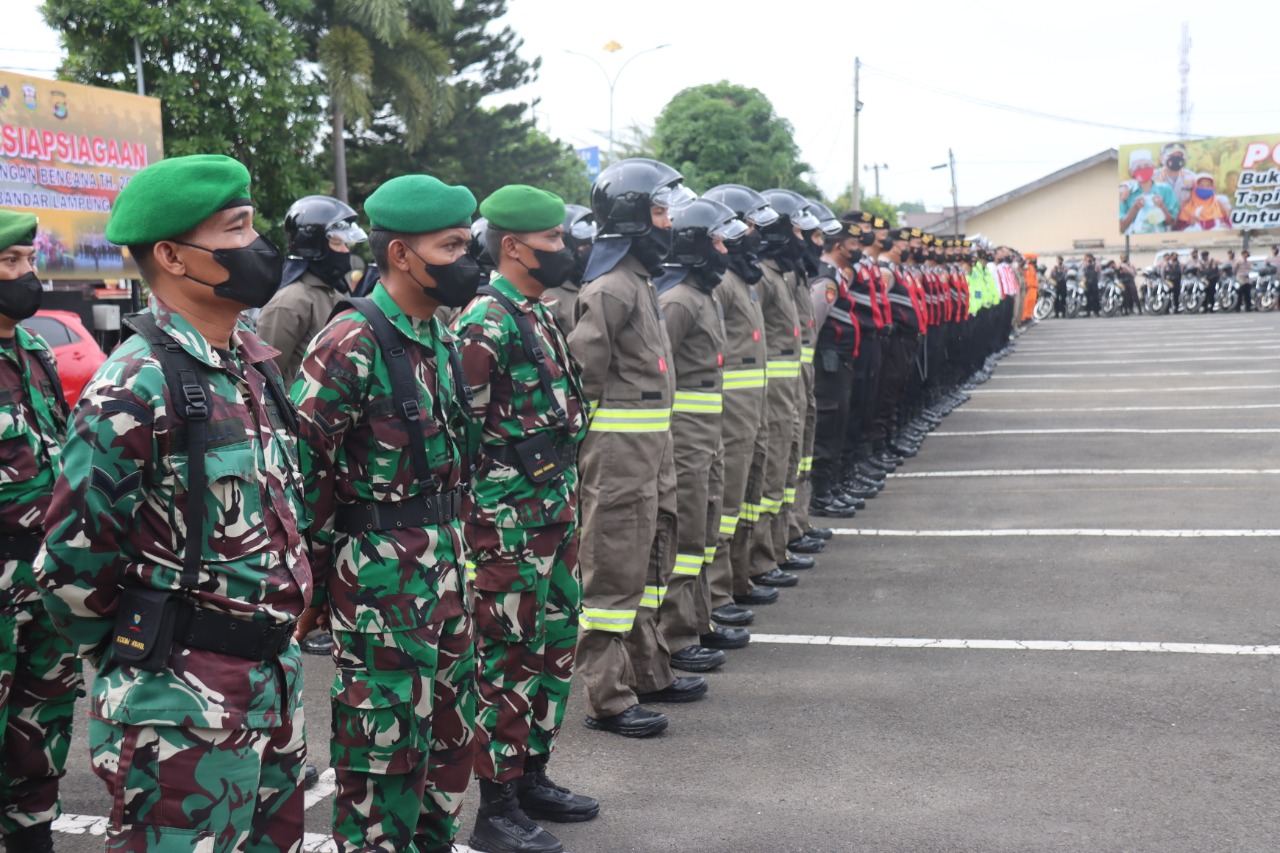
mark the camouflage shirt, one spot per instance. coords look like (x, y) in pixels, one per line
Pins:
(117, 519)
(509, 405)
(32, 429)
(356, 450)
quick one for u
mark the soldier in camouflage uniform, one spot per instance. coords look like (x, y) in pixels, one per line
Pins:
(39, 672)
(384, 472)
(196, 723)
(522, 525)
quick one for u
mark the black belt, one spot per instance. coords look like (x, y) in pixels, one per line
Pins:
(20, 546)
(507, 454)
(420, 511)
(198, 628)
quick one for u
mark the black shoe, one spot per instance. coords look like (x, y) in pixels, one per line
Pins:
(542, 799)
(680, 690)
(732, 614)
(319, 643)
(726, 638)
(879, 465)
(30, 839)
(633, 722)
(775, 577)
(827, 506)
(310, 775)
(857, 501)
(906, 452)
(796, 564)
(502, 827)
(806, 545)
(820, 532)
(759, 595)
(697, 659)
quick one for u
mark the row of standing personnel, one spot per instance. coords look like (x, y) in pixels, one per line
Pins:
(455, 615)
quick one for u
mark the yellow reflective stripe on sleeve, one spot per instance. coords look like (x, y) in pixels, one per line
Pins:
(471, 572)
(728, 524)
(769, 505)
(709, 555)
(750, 512)
(631, 420)
(783, 369)
(653, 596)
(699, 402)
(688, 564)
(789, 496)
(737, 379)
(806, 353)
(618, 621)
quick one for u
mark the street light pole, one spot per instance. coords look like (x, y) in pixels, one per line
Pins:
(612, 82)
(876, 167)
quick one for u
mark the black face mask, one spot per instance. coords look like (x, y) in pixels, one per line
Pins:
(554, 268)
(20, 297)
(750, 244)
(456, 283)
(886, 244)
(651, 249)
(742, 260)
(332, 269)
(855, 256)
(866, 238)
(255, 271)
(1175, 164)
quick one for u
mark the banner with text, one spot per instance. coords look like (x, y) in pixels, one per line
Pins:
(66, 150)
(1219, 184)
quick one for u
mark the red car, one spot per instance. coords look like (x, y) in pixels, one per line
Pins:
(78, 354)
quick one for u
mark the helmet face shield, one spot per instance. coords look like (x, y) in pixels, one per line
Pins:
(804, 220)
(347, 232)
(762, 216)
(673, 197)
(831, 227)
(584, 230)
(734, 229)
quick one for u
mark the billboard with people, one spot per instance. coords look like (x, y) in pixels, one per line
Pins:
(1218, 184)
(66, 151)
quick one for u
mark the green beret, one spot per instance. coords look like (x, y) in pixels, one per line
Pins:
(175, 195)
(16, 229)
(418, 204)
(522, 208)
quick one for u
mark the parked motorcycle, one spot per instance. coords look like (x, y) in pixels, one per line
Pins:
(1193, 292)
(1228, 294)
(1045, 299)
(1075, 294)
(1157, 292)
(1110, 293)
(1266, 288)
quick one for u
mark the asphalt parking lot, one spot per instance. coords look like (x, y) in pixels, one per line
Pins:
(1056, 629)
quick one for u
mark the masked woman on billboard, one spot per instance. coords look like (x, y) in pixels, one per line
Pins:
(1208, 209)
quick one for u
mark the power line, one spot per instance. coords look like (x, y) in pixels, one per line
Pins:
(995, 105)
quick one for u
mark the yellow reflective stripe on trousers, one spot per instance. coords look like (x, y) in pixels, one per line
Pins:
(805, 466)
(631, 420)
(653, 596)
(618, 621)
(789, 496)
(806, 353)
(738, 379)
(750, 512)
(699, 402)
(783, 369)
(728, 524)
(709, 555)
(769, 505)
(688, 564)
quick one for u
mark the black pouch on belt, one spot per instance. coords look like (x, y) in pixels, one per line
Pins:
(145, 624)
(830, 360)
(539, 458)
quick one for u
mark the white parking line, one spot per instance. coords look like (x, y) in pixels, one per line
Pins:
(1060, 531)
(1182, 390)
(1158, 356)
(1095, 430)
(1017, 645)
(976, 410)
(1089, 472)
(1007, 375)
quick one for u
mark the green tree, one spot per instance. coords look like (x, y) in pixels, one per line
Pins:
(723, 133)
(226, 73)
(381, 55)
(874, 205)
(482, 148)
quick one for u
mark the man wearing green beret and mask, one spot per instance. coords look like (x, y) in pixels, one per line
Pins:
(174, 559)
(39, 671)
(522, 531)
(384, 425)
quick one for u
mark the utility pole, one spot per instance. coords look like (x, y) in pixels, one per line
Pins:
(137, 61)
(955, 205)
(854, 200)
(1184, 71)
(876, 167)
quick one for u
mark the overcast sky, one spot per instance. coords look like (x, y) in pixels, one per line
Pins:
(1113, 63)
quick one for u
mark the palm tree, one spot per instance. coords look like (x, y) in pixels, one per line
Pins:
(379, 54)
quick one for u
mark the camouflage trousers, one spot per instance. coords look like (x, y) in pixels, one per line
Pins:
(178, 789)
(528, 597)
(404, 710)
(39, 675)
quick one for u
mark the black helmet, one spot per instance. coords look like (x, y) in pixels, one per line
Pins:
(828, 222)
(792, 207)
(625, 191)
(313, 220)
(478, 245)
(747, 204)
(695, 227)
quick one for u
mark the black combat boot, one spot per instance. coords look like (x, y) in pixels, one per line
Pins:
(502, 827)
(545, 800)
(30, 839)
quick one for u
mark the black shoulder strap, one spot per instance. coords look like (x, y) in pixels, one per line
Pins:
(190, 395)
(532, 350)
(404, 393)
(51, 370)
(275, 385)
